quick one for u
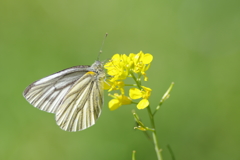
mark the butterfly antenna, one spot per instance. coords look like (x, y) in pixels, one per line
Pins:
(102, 46)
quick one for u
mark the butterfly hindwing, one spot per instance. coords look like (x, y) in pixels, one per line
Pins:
(82, 105)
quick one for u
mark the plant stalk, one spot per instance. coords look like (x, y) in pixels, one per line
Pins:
(155, 141)
(154, 134)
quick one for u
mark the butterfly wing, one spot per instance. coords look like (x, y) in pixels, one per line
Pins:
(47, 93)
(82, 105)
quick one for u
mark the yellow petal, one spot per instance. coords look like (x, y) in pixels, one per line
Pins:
(135, 93)
(145, 78)
(107, 85)
(124, 57)
(140, 54)
(131, 55)
(112, 71)
(147, 92)
(143, 104)
(147, 58)
(147, 89)
(115, 57)
(136, 58)
(126, 100)
(114, 104)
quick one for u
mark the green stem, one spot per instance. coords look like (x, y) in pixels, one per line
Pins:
(155, 141)
(137, 82)
(164, 98)
(130, 85)
(133, 155)
(171, 152)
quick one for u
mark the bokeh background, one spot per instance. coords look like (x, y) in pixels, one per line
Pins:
(195, 43)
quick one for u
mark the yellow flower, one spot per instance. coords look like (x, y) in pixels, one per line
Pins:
(141, 62)
(145, 93)
(118, 67)
(118, 101)
(116, 85)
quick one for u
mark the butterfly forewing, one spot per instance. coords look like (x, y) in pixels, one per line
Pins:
(47, 93)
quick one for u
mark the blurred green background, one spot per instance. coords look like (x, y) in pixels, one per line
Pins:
(195, 43)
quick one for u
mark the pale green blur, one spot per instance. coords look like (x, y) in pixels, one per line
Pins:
(195, 44)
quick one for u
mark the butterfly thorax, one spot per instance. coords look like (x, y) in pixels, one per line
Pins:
(97, 67)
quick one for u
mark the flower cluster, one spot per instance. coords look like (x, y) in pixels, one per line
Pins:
(121, 67)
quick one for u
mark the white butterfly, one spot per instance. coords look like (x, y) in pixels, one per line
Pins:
(75, 95)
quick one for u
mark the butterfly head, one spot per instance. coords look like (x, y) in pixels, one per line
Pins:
(97, 67)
